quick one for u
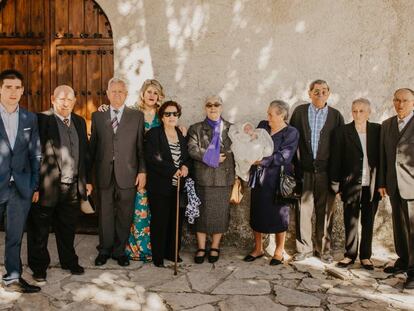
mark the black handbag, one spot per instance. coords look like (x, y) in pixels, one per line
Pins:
(289, 188)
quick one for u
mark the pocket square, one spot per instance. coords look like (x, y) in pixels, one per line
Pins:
(27, 129)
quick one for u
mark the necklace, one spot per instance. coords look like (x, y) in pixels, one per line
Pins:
(172, 136)
(274, 131)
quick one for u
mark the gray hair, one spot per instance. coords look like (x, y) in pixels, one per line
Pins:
(213, 98)
(318, 81)
(117, 80)
(282, 107)
(65, 88)
(404, 89)
(362, 101)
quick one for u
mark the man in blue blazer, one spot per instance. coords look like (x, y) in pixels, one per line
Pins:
(19, 173)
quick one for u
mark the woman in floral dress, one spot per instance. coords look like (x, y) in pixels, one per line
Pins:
(139, 244)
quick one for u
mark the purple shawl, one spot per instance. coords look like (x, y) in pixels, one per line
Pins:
(212, 155)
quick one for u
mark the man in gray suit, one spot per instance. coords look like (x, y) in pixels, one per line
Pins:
(396, 179)
(117, 150)
(315, 122)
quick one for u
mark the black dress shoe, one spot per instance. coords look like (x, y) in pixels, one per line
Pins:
(394, 269)
(200, 259)
(409, 283)
(101, 259)
(302, 256)
(344, 263)
(159, 264)
(275, 262)
(123, 261)
(22, 286)
(179, 259)
(250, 258)
(75, 269)
(367, 266)
(39, 276)
(212, 258)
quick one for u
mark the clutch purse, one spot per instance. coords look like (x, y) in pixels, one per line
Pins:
(87, 206)
(236, 192)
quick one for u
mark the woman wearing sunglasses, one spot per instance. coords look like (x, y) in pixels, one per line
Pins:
(167, 160)
(209, 146)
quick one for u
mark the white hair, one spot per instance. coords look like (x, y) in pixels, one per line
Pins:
(117, 80)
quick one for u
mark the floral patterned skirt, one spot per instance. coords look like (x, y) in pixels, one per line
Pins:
(139, 243)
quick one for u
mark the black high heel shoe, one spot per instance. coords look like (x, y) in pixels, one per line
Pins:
(200, 259)
(211, 258)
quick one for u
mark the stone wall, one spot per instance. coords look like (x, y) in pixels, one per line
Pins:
(251, 52)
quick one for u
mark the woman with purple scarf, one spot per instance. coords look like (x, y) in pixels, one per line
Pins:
(209, 147)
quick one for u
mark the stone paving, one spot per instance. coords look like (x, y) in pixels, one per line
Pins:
(228, 285)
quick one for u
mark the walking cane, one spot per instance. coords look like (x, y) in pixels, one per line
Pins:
(176, 225)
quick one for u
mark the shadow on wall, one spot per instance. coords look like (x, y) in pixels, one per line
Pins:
(252, 52)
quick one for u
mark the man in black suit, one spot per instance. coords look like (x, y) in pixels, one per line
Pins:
(315, 122)
(396, 179)
(354, 168)
(64, 181)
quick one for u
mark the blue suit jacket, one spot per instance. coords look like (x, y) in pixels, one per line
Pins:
(23, 161)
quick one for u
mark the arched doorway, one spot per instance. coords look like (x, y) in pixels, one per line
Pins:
(56, 42)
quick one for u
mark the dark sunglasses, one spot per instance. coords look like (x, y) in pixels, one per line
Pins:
(215, 105)
(169, 114)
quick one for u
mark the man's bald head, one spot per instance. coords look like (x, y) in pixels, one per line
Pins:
(63, 100)
(63, 89)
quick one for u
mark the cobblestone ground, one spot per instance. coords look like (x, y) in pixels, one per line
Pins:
(228, 285)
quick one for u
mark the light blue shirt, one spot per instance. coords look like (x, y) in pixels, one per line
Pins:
(317, 119)
(11, 123)
(403, 122)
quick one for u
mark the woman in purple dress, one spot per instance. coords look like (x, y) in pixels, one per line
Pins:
(267, 215)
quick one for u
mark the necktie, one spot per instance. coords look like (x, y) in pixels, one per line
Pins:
(114, 121)
(400, 124)
(66, 122)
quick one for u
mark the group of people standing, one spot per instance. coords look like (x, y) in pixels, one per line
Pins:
(143, 159)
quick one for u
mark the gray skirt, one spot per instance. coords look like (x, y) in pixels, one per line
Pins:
(214, 209)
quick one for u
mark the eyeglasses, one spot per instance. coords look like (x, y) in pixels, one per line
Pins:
(320, 92)
(169, 114)
(215, 105)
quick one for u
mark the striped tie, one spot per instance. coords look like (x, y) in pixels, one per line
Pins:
(400, 124)
(114, 121)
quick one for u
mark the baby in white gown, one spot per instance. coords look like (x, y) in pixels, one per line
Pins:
(248, 146)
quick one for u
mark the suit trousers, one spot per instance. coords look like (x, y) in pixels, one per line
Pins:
(63, 217)
(162, 226)
(403, 227)
(116, 209)
(316, 196)
(16, 209)
(367, 209)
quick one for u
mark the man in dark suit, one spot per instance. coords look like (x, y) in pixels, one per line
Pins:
(396, 179)
(315, 122)
(64, 181)
(117, 150)
(19, 173)
(354, 167)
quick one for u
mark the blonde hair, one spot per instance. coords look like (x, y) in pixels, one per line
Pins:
(155, 84)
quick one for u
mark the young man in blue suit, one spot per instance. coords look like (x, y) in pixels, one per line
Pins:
(19, 173)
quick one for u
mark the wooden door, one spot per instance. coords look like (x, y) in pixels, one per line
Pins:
(54, 42)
